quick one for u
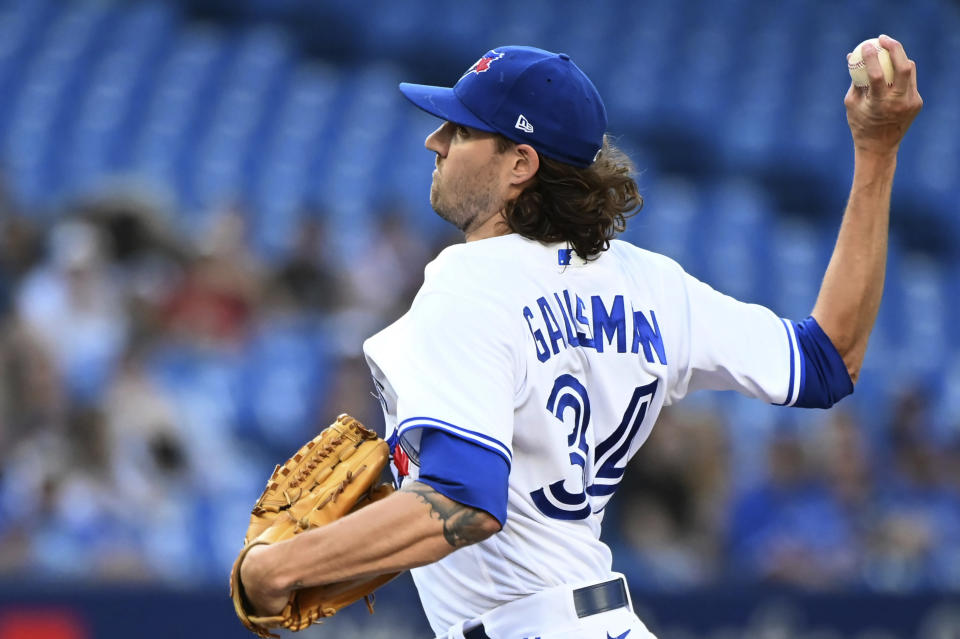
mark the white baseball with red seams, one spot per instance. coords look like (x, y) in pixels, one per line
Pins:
(858, 69)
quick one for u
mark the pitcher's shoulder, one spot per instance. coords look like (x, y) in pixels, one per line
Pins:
(631, 253)
(491, 260)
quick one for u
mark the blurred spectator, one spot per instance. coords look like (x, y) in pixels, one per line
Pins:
(216, 299)
(307, 275)
(147, 449)
(74, 306)
(916, 542)
(152, 470)
(62, 513)
(791, 528)
(19, 251)
(842, 450)
(671, 507)
(384, 278)
(287, 371)
(31, 395)
(147, 260)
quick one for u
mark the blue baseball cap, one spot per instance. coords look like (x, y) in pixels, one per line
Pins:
(528, 95)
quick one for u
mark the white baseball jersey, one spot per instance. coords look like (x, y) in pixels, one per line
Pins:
(561, 367)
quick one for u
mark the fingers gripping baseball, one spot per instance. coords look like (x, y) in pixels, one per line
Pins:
(880, 113)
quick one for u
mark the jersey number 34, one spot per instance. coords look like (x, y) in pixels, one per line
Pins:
(601, 477)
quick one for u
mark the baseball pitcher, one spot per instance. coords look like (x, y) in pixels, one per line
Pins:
(536, 357)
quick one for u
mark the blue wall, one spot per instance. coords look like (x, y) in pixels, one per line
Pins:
(149, 612)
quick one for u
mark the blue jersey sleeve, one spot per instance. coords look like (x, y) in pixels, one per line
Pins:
(465, 472)
(824, 379)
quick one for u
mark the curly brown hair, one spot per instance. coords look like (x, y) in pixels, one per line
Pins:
(586, 207)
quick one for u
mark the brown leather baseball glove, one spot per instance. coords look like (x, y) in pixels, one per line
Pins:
(335, 473)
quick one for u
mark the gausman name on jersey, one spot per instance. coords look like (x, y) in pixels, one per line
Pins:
(563, 320)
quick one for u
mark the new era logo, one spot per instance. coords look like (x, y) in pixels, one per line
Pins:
(523, 124)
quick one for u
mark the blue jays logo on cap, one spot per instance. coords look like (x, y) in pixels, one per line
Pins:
(483, 63)
(535, 97)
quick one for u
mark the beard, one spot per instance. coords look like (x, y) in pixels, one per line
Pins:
(464, 201)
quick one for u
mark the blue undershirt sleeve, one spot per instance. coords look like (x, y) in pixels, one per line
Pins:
(824, 378)
(465, 472)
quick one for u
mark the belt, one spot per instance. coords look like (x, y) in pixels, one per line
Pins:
(589, 600)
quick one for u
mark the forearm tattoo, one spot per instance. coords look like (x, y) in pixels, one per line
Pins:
(462, 525)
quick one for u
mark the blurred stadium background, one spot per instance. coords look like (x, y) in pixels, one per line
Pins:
(207, 205)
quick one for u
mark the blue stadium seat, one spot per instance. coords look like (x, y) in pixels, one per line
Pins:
(799, 259)
(21, 26)
(668, 222)
(97, 133)
(348, 184)
(923, 311)
(733, 238)
(285, 381)
(163, 146)
(250, 84)
(32, 148)
(280, 175)
(409, 174)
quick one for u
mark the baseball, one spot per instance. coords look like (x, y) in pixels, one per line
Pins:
(858, 70)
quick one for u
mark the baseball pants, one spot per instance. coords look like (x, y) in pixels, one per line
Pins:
(594, 611)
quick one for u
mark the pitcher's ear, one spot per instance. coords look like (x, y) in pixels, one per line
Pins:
(526, 163)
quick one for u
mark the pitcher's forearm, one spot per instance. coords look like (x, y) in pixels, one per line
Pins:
(411, 528)
(852, 287)
(879, 116)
